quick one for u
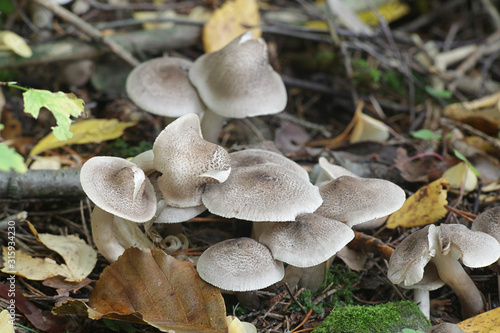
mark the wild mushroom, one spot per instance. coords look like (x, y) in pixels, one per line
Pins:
(444, 245)
(262, 192)
(237, 82)
(187, 162)
(161, 86)
(354, 200)
(112, 235)
(254, 156)
(119, 187)
(241, 264)
(488, 222)
(307, 241)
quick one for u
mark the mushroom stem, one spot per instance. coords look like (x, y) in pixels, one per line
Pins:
(453, 274)
(103, 235)
(211, 125)
(422, 299)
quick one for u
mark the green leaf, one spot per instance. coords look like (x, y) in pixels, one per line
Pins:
(438, 93)
(10, 159)
(426, 134)
(60, 104)
(463, 158)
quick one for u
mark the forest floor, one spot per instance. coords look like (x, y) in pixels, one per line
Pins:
(414, 72)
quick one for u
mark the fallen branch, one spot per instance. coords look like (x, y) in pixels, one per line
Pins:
(41, 185)
(72, 49)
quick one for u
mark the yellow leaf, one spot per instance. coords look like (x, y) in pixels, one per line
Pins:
(424, 207)
(368, 129)
(230, 21)
(6, 322)
(33, 268)
(155, 15)
(487, 322)
(85, 131)
(80, 259)
(15, 43)
(391, 11)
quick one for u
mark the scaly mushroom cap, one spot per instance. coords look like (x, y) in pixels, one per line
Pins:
(355, 200)
(474, 248)
(488, 222)
(309, 240)
(187, 162)
(161, 86)
(240, 264)
(406, 265)
(237, 81)
(119, 187)
(263, 192)
(249, 157)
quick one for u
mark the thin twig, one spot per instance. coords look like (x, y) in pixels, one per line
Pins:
(88, 29)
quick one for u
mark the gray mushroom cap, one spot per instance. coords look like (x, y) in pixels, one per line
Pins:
(255, 156)
(488, 222)
(161, 86)
(240, 264)
(119, 187)
(187, 162)
(264, 192)
(309, 240)
(406, 265)
(355, 200)
(237, 81)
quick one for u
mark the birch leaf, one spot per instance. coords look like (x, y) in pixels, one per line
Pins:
(424, 207)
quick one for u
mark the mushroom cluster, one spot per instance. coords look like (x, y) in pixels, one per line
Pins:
(295, 222)
(299, 224)
(234, 82)
(163, 185)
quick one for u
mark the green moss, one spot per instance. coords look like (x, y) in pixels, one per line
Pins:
(382, 318)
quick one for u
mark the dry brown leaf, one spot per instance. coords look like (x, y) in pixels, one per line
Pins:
(230, 21)
(424, 207)
(149, 286)
(483, 114)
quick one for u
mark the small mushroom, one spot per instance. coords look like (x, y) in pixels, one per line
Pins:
(488, 222)
(262, 192)
(237, 82)
(187, 162)
(308, 241)
(119, 187)
(444, 245)
(241, 264)
(161, 86)
(354, 200)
